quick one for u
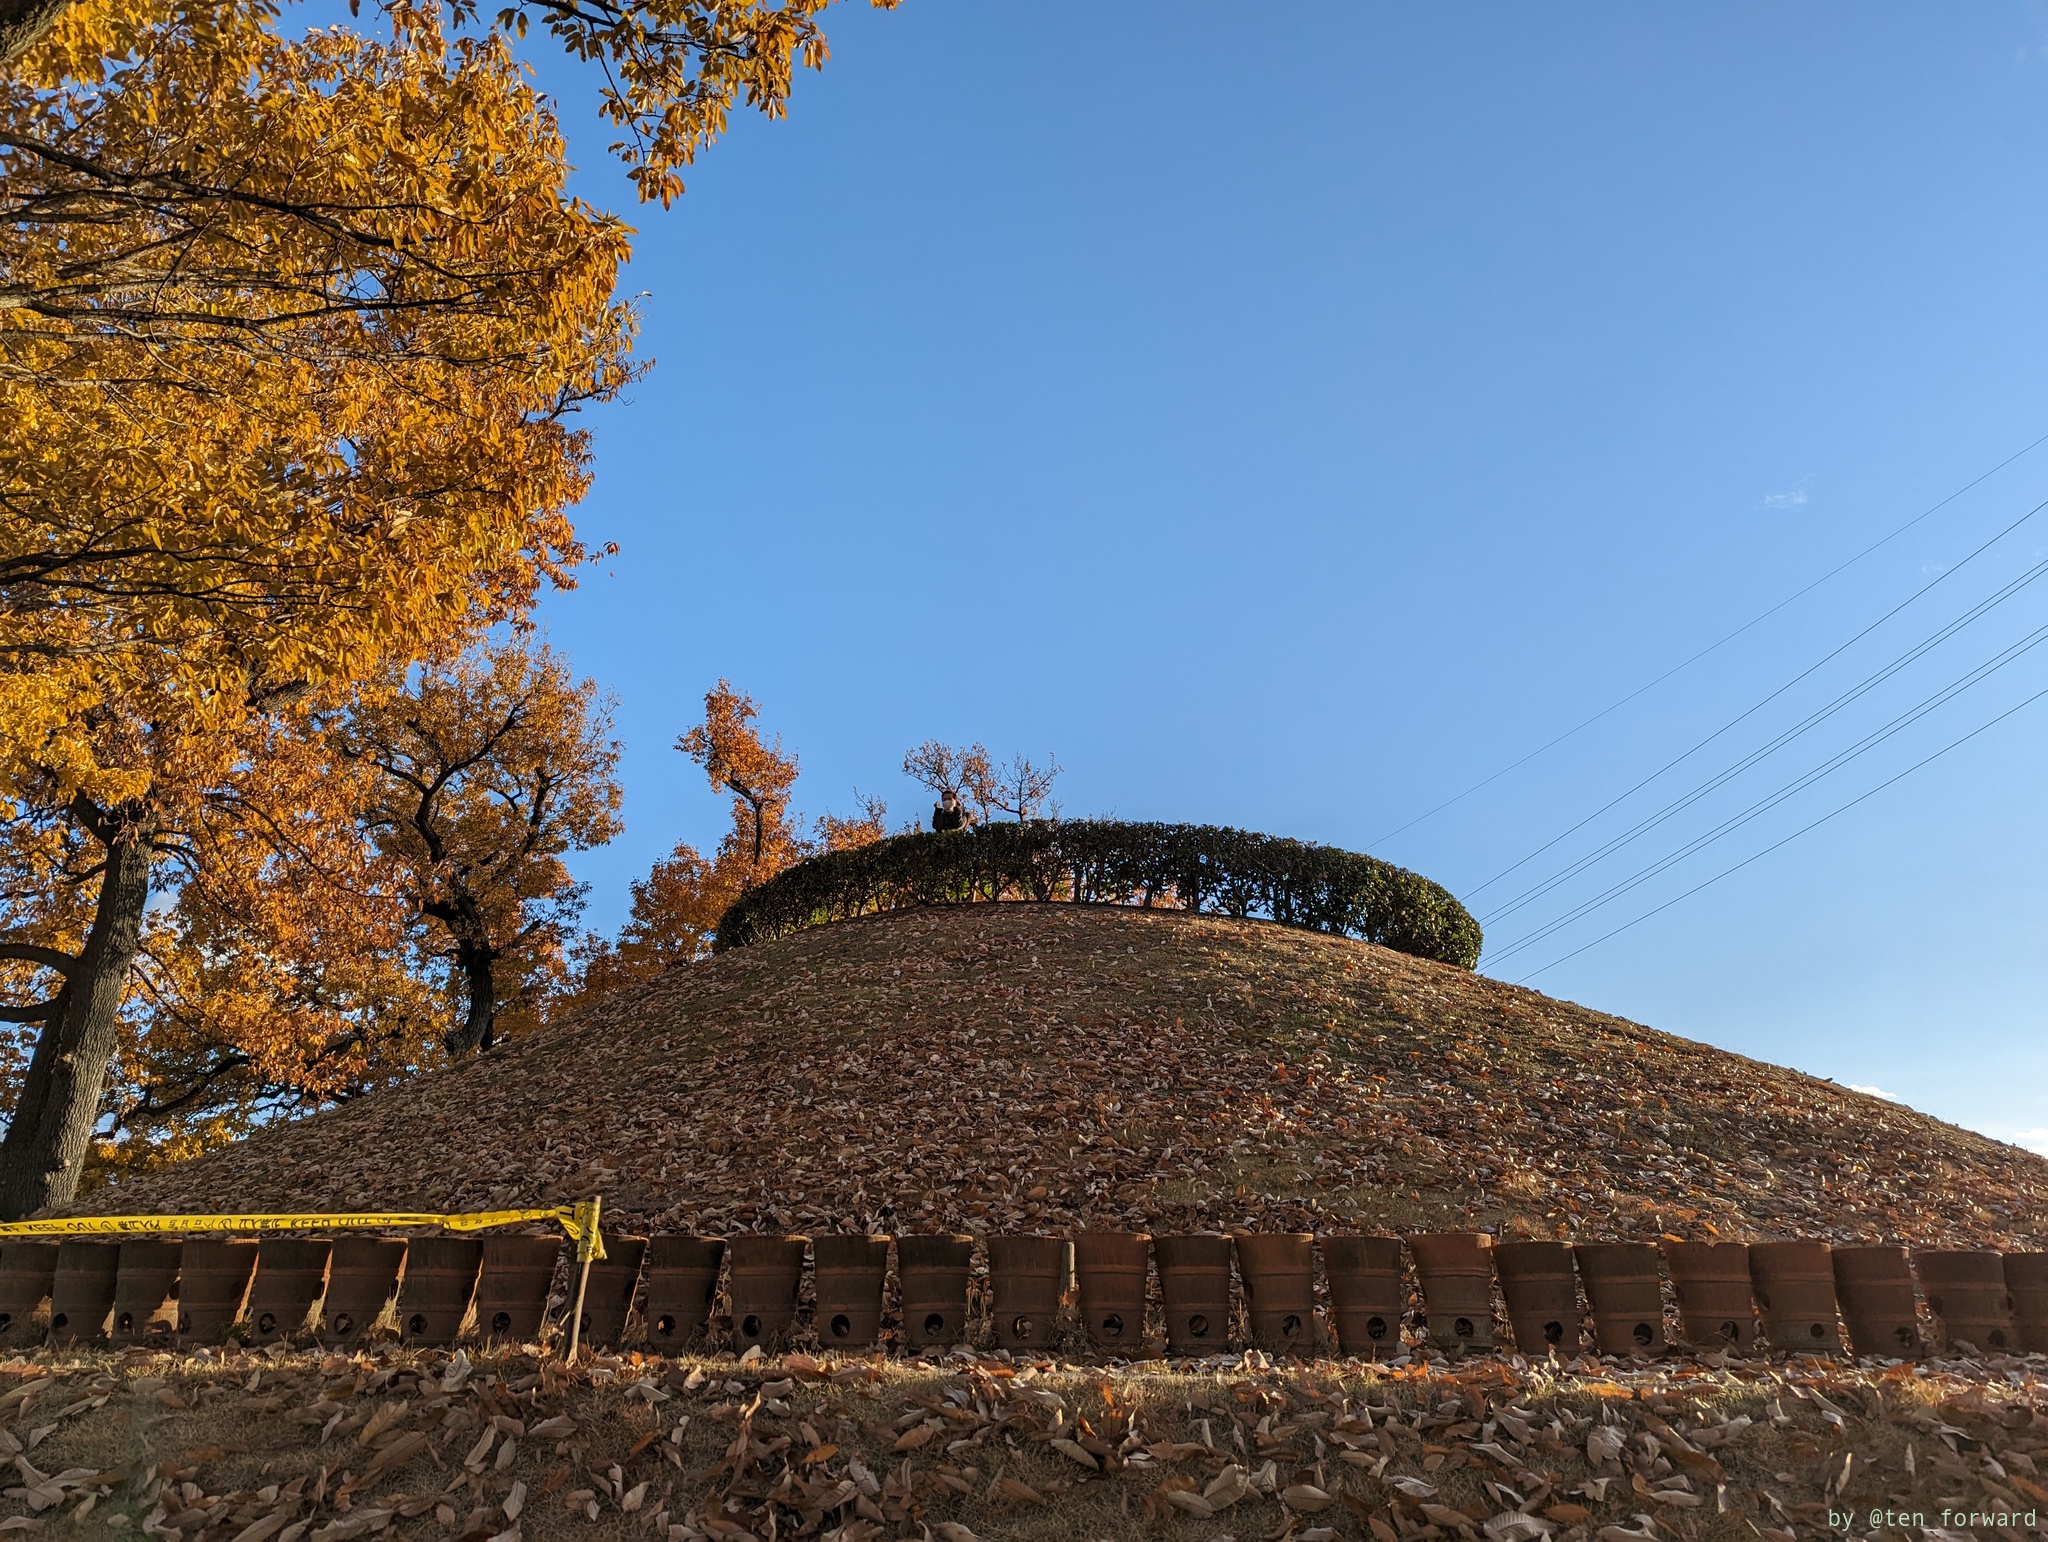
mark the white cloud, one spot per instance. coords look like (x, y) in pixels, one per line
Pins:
(1877, 1092)
(2033, 1140)
(1793, 497)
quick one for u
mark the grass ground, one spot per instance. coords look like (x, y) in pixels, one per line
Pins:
(277, 1445)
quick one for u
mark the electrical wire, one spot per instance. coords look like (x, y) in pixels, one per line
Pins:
(1785, 841)
(1821, 714)
(1790, 789)
(1739, 718)
(1687, 663)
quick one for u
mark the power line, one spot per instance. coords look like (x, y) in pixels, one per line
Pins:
(1746, 861)
(1790, 789)
(1741, 717)
(1685, 664)
(1820, 715)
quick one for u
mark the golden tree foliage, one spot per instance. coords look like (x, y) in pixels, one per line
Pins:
(370, 896)
(673, 68)
(319, 308)
(677, 906)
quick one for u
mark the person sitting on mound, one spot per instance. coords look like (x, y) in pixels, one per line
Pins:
(949, 813)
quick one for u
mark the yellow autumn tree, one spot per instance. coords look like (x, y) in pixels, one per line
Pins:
(374, 893)
(673, 69)
(290, 335)
(677, 906)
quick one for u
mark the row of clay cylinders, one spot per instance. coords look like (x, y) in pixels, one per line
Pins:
(1981, 1300)
(197, 1290)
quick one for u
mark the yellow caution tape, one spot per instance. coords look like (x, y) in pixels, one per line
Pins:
(578, 1222)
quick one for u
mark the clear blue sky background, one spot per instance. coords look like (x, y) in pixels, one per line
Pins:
(1291, 417)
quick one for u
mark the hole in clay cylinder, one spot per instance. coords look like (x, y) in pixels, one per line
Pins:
(1198, 1325)
(842, 1325)
(935, 1322)
(1020, 1327)
(665, 1326)
(417, 1323)
(59, 1321)
(1376, 1328)
(1997, 1338)
(343, 1323)
(1462, 1327)
(125, 1323)
(1817, 1331)
(1112, 1326)
(1553, 1333)
(750, 1325)
(500, 1322)
(1290, 1326)
(1731, 1331)
(1644, 1333)
(267, 1323)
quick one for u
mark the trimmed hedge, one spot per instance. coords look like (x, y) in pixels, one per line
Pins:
(1203, 868)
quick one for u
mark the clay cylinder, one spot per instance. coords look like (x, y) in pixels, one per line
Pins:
(766, 1273)
(290, 1272)
(1966, 1293)
(1626, 1291)
(434, 1295)
(1794, 1283)
(1367, 1295)
(608, 1297)
(1111, 1268)
(213, 1278)
(932, 1271)
(1875, 1288)
(1456, 1271)
(82, 1291)
(847, 1274)
(147, 1275)
(512, 1286)
(26, 1272)
(1278, 1270)
(2026, 1280)
(361, 1277)
(682, 1277)
(1716, 1302)
(1194, 1286)
(1026, 1278)
(1542, 1296)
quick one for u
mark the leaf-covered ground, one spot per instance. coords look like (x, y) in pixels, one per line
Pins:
(296, 1446)
(1039, 1068)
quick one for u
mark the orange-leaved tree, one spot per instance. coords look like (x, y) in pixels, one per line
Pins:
(677, 906)
(482, 777)
(373, 896)
(320, 308)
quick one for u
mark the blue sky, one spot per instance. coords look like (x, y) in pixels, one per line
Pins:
(1292, 422)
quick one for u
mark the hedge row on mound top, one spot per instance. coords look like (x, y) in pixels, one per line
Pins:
(1105, 862)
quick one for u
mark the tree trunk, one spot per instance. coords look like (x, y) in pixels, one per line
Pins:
(53, 1122)
(24, 21)
(479, 978)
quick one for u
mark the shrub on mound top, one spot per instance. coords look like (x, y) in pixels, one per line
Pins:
(1203, 868)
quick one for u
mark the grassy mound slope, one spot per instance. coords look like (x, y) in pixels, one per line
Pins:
(1025, 1067)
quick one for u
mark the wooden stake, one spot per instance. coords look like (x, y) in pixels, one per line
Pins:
(589, 1248)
